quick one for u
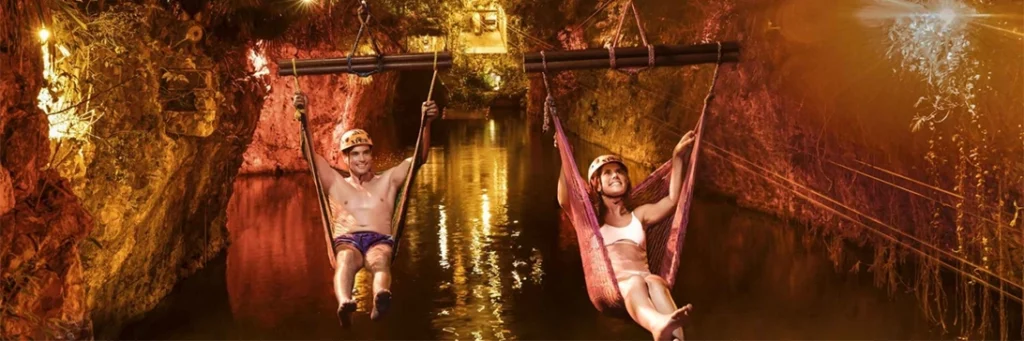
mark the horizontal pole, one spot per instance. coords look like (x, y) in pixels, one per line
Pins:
(626, 52)
(677, 60)
(360, 60)
(324, 70)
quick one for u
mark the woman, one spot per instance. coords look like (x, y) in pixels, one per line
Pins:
(647, 298)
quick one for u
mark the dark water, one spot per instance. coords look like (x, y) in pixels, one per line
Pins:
(485, 258)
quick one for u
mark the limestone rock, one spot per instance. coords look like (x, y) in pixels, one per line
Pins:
(336, 103)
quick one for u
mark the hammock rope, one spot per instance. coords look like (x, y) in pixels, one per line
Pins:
(668, 235)
(665, 239)
(643, 37)
(549, 101)
(326, 215)
(401, 197)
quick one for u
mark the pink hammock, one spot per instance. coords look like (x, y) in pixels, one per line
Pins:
(664, 239)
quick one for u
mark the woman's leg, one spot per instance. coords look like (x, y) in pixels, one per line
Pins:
(641, 309)
(662, 299)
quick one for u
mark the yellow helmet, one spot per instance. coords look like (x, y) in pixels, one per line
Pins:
(355, 137)
(601, 161)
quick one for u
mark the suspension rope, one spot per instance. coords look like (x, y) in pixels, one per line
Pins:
(549, 100)
(433, 78)
(868, 217)
(911, 180)
(611, 57)
(618, 28)
(862, 224)
(643, 37)
(538, 40)
(639, 24)
(714, 79)
(295, 77)
(921, 195)
(364, 20)
(599, 9)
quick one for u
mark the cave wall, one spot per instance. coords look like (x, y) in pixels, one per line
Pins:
(158, 174)
(42, 286)
(337, 103)
(817, 124)
(152, 109)
(177, 109)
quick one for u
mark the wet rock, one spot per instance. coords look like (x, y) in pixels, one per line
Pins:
(154, 175)
(40, 221)
(6, 191)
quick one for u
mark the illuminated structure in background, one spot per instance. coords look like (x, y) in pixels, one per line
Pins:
(487, 32)
(426, 43)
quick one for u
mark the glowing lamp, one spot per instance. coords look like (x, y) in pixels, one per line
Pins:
(947, 15)
(44, 34)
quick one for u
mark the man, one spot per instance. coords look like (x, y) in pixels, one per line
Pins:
(363, 204)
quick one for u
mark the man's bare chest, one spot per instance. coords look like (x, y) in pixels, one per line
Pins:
(367, 196)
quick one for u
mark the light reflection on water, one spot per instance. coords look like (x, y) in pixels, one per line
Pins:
(475, 236)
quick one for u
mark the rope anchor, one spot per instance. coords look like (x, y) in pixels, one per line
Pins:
(364, 21)
(549, 101)
(643, 38)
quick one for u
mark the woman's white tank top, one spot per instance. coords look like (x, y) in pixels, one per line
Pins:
(633, 232)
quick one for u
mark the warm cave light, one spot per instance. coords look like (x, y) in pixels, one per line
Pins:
(258, 60)
(947, 15)
(305, 5)
(44, 34)
(934, 43)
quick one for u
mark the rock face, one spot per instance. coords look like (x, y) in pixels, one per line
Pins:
(104, 221)
(171, 143)
(155, 173)
(337, 103)
(841, 136)
(42, 291)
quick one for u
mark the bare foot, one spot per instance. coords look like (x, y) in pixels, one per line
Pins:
(381, 303)
(677, 335)
(345, 313)
(664, 330)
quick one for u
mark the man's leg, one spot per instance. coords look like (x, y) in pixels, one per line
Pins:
(378, 262)
(349, 261)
